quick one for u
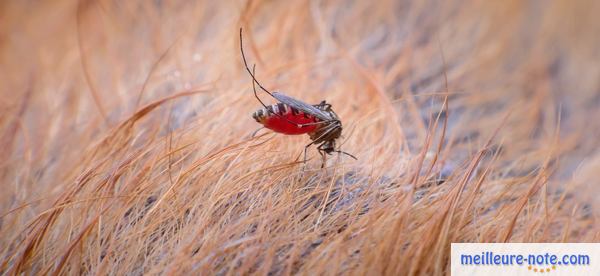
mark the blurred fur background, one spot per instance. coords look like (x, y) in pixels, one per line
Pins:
(126, 147)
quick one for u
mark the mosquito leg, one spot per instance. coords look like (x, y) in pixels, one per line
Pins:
(305, 150)
(256, 131)
(248, 68)
(254, 87)
(312, 143)
(304, 163)
(316, 123)
(254, 82)
(322, 153)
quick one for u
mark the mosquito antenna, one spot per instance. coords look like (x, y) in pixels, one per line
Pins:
(339, 151)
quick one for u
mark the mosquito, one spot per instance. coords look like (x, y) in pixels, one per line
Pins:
(294, 117)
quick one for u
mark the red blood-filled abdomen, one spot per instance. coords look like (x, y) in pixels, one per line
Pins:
(281, 125)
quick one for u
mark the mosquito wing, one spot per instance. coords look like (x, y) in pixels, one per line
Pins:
(304, 107)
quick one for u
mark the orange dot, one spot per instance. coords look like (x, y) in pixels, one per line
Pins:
(529, 267)
(542, 270)
(547, 269)
(535, 270)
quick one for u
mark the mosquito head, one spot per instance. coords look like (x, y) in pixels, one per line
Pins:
(329, 146)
